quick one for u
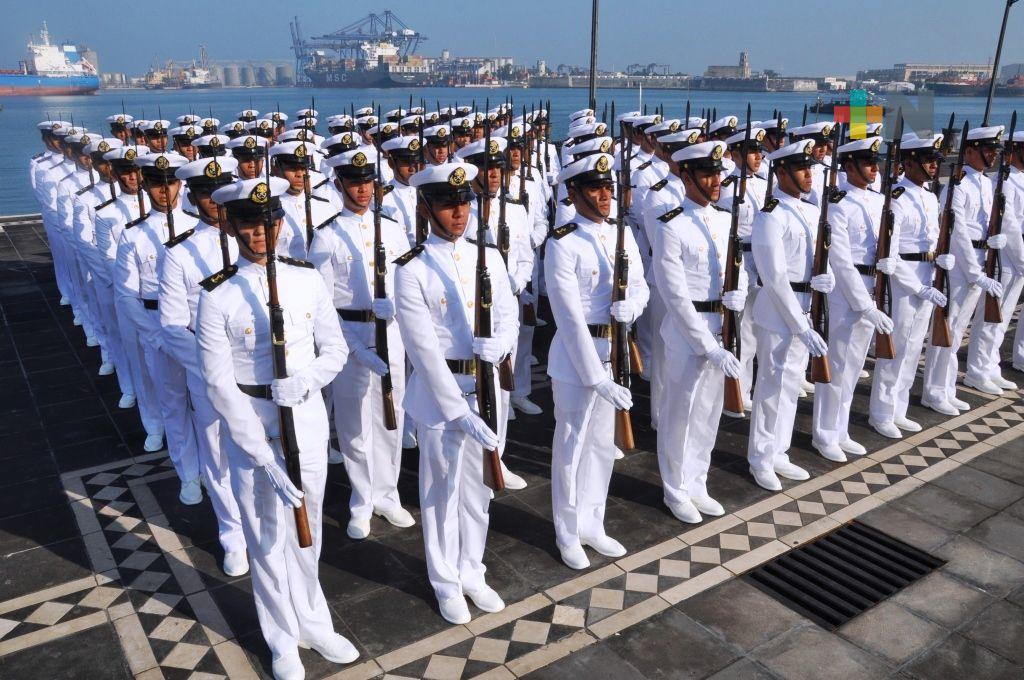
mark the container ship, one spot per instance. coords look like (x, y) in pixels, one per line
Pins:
(377, 66)
(50, 70)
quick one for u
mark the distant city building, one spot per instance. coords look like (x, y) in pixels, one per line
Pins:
(542, 67)
(741, 71)
(919, 73)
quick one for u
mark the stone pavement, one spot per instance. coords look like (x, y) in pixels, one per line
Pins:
(103, 574)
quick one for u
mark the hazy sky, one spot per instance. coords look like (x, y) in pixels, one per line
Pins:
(816, 37)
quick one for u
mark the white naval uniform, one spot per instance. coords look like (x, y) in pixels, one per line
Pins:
(855, 222)
(578, 269)
(46, 179)
(782, 244)
(538, 216)
(233, 334)
(972, 205)
(291, 239)
(1015, 203)
(343, 253)
(435, 293)
(66, 189)
(690, 257)
(182, 268)
(83, 234)
(136, 283)
(401, 200)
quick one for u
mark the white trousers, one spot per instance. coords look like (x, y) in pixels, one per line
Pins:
(781, 363)
(849, 337)
(143, 379)
(57, 252)
(893, 378)
(940, 363)
(657, 364)
(172, 392)
(748, 342)
(582, 455)
(523, 371)
(987, 338)
(115, 344)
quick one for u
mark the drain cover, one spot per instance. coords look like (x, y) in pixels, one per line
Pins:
(842, 574)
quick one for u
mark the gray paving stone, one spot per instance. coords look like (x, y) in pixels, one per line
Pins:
(744, 669)
(945, 600)
(907, 527)
(1017, 509)
(741, 614)
(94, 653)
(994, 572)
(958, 657)
(944, 508)
(873, 631)
(981, 487)
(811, 653)
(596, 662)
(1003, 532)
(1016, 597)
(1001, 629)
(1013, 472)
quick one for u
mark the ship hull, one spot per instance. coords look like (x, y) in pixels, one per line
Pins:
(366, 79)
(27, 85)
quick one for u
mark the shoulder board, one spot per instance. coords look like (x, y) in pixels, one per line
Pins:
(770, 204)
(320, 184)
(183, 236)
(611, 220)
(897, 191)
(670, 215)
(474, 242)
(319, 198)
(566, 201)
(387, 217)
(807, 201)
(104, 204)
(295, 262)
(728, 180)
(719, 208)
(192, 214)
(388, 188)
(407, 257)
(84, 189)
(644, 165)
(67, 175)
(38, 155)
(328, 221)
(660, 184)
(837, 196)
(510, 199)
(137, 221)
(217, 278)
(565, 229)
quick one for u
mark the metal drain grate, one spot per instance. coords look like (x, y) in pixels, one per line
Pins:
(842, 574)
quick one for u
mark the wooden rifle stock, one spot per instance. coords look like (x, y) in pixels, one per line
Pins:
(620, 282)
(940, 334)
(733, 396)
(993, 308)
(884, 348)
(380, 292)
(820, 371)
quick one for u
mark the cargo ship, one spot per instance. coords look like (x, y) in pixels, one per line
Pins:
(378, 65)
(50, 70)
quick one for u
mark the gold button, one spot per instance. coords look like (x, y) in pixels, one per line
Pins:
(248, 331)
(349, 258)
(308, 315)
(369, 244)
(470, 304)
(457, 257)
(363, 225)
(594, 273)
(444, 301)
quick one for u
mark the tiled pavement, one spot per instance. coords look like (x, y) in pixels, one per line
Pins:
(104, 574)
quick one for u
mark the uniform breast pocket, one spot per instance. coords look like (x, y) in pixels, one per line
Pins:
(245, 334)
(147, 264)
(589, 276)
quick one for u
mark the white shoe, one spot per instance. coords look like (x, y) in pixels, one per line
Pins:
(791, 471)
(1002, 382)
(399, 517)
(748, 405)
(606, 545)
(334, 456)
(886, 429)
(851, 447)
(486, 599)
(64, 301)
(77, 320)
(154, 443)
(731, 414)
(534, 361)
(127, 401)
(803, 393)
(409, 440)
(106, 368)
(91, 341)
(526, 406)
(907, 424)
(191, 492)
(541, 322)
(236, 563)
(807, 386)
(288, 667)
(708, 505)
(619, 455)
(511, 415)
(336, 648)
(767, 479)
(830, 452)
(943, 407)
(574, 557)
(959, 404)
(454, 610)
(512, 481)
(986, 386)
(864, 375)
(358, 528)
(685, 512)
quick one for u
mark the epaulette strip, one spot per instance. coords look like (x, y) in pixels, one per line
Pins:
(728, 180)
(769, 205)
(659, 185)
(407, 257)
(38, 155)
(215, 279)
(137, 221)
(319, 198)
(328, 221)
(667, 217)
(191, 214)
(719, 208)
(566, 201)
(644, 165)
(183, 236)
(897, 191)
(295, 262)
(836, 196)
(565, 229)
(388, 188)
(104, 204)
(85, 189)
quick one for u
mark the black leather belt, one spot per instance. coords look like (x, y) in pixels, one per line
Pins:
(980, 244)
(708, 305)
(797, 286)
(747, 247)
(918, 257)
(150, 304)
(600, 330)
(355, 314)
(462, 366)
(865, 269)
(258, 391)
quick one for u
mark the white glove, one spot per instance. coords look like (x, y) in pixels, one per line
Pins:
(489, 349)
(368, 358)
(726, 361)
(476, 428)
(282, 485)
(990, 286)
(814, 343)
(946, 261)
(734, 300)
(932, 295)
(881, 322)
(383, 308)
(623, 311)
(823, 283)
(615, 394)
(997, 241)
(290, 391)
(527, 298)
(887, 265)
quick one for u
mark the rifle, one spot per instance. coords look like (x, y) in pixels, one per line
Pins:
(769, 195)
(733, 400)
(289, 441)
(225, 254)
(947, 139)
(506, 375)
(993, 267)
(941, 336)
(380, 326)
(884, 348)
(820, 371)
(168, 211)
(620, 344)
(139, 194)
(803, 121)
(421, 221)
(307, 191)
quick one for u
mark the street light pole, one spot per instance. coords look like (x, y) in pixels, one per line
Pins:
(995, 64)
(593, 54)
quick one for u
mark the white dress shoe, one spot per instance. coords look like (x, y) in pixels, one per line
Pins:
(526, 406)
(409, 440)
(574, 557)
(803, 393)
(336, 648)
(1005, 384)
(77, 320)
(907, 424)
(830, 452)
(708, 505)
(886, 429)
(236, 563)
(619, 455)
(541, 322)
(91, 341)
(807, 386)
(512, 480)
(486, 599)
(731, 414)
(191, 492)
(64, 301)
(154, 443)
(288, 667)
(534, 360)
(767, 479)
(748, 405)
(454, 610)
(959, 404)
(864, 375)
(106, 368)
(127, 401)
(358, 528)
(334, 456)
(685, 511)
(986, 386)
(510, 415)
(851, 447)
(606, 545)
(399, 517)
(943, 407)
(791, 471)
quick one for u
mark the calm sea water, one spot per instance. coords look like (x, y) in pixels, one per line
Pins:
(19, 139)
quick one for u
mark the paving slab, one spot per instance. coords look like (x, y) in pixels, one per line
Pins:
(981, 487)
(958, 657)
(810, 653)
(907, 527)
(943, 599)
(944, 508)
(874, 631)
(971, 561)
(1001, 629)
(1002, 532)
(740, 614)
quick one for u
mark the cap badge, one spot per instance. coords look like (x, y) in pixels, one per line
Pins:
(346, 138)
(249, 143)
(414, 144)
(601, 127)
(938, 142)
(130, 154)
(300, 151)
(493, 149)
(260, 193)
(119, 120)
(657, 119)
(103, 147)
(605, 145)
(826, 131)
(359, 160)
(85, 139)
(808, 148)
(214, 141)
(759, 136)
(602, 164)
(458, 177)
(673, 126)
(783, 124)
(162, 163)
(442, 132)
(158, 126)
(238, 127)
(876, 145)
(694, 136)
(212, 170)
(515, 132)
(264, 124)
(716, 153)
